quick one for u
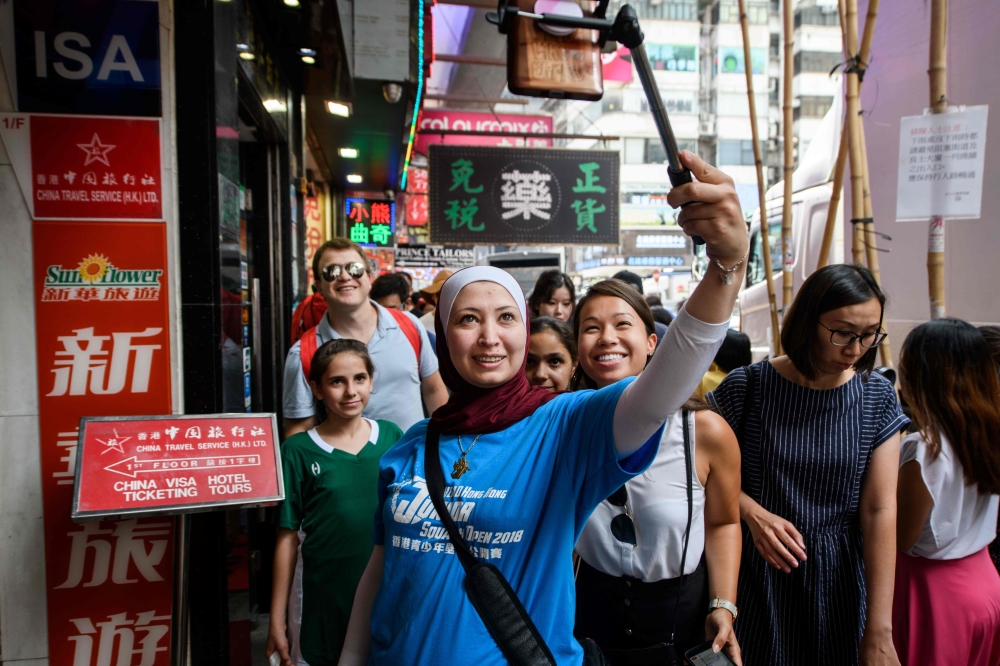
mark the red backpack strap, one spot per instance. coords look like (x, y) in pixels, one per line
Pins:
(410, 331)
(308, 344)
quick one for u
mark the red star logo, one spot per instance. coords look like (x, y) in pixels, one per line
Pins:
(96, 151)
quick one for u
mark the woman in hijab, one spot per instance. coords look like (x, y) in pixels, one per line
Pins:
(527, 467)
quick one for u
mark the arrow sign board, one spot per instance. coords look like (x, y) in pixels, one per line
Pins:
(155, 465)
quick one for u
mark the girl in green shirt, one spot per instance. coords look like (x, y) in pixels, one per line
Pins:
(331, 483)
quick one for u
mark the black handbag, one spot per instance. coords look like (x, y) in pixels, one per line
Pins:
(490, 593)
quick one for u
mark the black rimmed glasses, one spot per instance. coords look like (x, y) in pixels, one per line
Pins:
(355, 269)
(622, 526)
(847, 338)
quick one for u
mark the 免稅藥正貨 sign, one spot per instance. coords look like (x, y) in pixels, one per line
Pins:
(508, 196)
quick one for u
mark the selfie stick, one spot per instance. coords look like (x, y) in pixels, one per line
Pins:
(625, 30)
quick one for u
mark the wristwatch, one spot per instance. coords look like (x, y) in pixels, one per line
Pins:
(723, 603)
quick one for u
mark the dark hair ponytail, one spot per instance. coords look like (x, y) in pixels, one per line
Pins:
(616, 289)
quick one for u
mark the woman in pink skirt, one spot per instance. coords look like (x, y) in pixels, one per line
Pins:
(946, 609)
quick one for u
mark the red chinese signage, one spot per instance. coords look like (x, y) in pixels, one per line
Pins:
(169, 464)
(84, 167)
(103, 341)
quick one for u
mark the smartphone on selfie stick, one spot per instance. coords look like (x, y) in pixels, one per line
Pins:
(532, 71)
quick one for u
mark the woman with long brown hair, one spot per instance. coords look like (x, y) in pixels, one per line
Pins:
(946, 610)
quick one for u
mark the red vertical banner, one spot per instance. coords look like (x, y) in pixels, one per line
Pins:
(102, 329)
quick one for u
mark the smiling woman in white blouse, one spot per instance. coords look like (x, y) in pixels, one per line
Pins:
(660, 557)
(946, 609)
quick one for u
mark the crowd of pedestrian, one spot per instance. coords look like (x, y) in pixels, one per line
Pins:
(603, 481)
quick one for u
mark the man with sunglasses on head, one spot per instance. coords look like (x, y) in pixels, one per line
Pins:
(406, 370)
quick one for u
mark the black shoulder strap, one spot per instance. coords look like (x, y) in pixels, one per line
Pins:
(435, 488)
(686, 415)
(491, 595)
(748, 397)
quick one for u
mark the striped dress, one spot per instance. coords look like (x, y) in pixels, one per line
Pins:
(804, 458)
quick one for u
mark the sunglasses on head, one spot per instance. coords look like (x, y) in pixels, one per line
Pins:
(355, 269)
(622, 526)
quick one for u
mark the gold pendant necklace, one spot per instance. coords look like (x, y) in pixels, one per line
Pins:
(462, 465)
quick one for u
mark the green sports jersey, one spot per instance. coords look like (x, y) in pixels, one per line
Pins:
(330, 498)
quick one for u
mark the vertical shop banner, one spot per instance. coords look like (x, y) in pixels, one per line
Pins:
(94, 57)
(83, 168)
(315, 232)
(102, 325)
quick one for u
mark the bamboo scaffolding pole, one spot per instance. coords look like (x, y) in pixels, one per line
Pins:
(871, 246)
(786, 208)
(853, 135)
(838, 175)
(831, 212)
(938, 74)
(765, 228)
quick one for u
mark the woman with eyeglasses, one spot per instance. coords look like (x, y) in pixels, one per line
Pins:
(514, 471)
(946, 610)
(819, 436)
(660, 558)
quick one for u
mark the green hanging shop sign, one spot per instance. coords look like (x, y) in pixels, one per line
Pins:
(523, 196)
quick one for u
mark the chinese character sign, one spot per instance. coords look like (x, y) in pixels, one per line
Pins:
(103, 348)
(146, 465)
(78, 167)
(941, 159)
(371, 223)
(510, 195)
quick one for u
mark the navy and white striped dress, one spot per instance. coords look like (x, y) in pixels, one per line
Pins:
(804, 458)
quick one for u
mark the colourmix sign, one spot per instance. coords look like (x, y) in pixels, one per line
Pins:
(524, 196)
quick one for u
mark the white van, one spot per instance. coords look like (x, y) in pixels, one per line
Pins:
(813, 186)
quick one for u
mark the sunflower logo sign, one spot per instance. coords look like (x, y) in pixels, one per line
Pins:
(96, 278)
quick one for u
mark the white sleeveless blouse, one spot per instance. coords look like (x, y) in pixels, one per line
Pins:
(657, 500)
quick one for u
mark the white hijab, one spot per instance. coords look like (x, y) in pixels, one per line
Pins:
(454, 284)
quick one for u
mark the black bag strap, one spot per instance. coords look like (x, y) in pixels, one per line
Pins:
(492, 596)
(748, 397)
(435, 488)
(686, 415)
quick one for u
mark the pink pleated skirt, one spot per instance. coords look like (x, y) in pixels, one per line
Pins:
(946, 612)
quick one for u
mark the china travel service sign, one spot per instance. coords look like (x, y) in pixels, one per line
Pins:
(524, 196)
(176, 464)
(84, 167)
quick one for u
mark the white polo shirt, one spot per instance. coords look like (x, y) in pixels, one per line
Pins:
(396, 388)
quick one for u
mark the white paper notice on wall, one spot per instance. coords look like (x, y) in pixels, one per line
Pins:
(382, 40)
(941, 164)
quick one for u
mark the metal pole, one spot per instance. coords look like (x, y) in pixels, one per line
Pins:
(765, 228)
(179, 644)
(938, 74)
(786, 209)
(656, 107)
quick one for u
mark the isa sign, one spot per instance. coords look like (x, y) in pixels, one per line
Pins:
(97, 57)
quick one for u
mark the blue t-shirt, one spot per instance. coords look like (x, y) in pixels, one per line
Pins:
(521, 506)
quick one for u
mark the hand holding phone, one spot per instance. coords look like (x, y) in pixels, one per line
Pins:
(704, 655)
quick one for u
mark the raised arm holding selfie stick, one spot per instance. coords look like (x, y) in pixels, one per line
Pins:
(493, 582)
